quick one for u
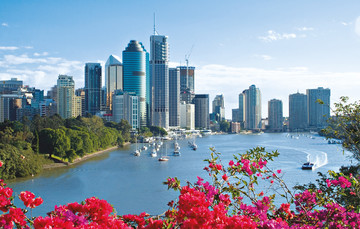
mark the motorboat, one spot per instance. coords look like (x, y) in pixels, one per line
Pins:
(144, 147)
(177, 152)
(308, 166)
(163, 158)
(153, 153)
(137, 153)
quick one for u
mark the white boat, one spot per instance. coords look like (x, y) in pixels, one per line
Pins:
(193, 145)
(144, 148)
(177, 152)
(163, 158)
(137, 153)
(153, 153)
(308, 166)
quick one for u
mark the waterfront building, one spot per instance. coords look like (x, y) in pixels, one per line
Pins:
(235, 117)
(135, 73)
(202, 118)
(252, 108)
(318, 113)
(80, 92)
(298, 112)
(159, 75)
(218, 108)
(235, 127)
(126, 106)
(113, 78)
(187, 116)
(92, 88)
(275, 115)
(65, 96)
(187, 83)
(174, 97)
(8, 86)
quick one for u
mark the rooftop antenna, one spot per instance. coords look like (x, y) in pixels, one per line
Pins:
(154, 25)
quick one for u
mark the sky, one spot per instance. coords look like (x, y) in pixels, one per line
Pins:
(281, 46)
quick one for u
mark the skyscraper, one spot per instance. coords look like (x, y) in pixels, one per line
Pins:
(275, 115)
(125, 106)
(187, 83)
(218, 107)
(202, 118)
(318, 113)
(113, 78)
(135, 60)
(174, 97)
(159, 74)
(92, 88)
(65, 96)
(298, 112)
(252, 108)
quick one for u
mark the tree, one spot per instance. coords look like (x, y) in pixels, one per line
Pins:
(224, 126)
(345, 125)
(35, 142)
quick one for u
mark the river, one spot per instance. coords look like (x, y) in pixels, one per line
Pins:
(134, 184)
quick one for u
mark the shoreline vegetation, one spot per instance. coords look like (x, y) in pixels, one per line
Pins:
(61, 164)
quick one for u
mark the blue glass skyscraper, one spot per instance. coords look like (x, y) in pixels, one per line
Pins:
(92, 87)
(135, 70)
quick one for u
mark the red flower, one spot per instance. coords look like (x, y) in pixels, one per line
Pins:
(225, 177)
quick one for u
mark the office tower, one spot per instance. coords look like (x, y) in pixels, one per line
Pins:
(318, 113)
(275, 115)
(202, 118)
(218, 107)
(48, 107)
(52, 93)
(187, 115)
(8, 86)
(252, 108)
(77, 106)
(81, 93)
(159, 74)
(135, 60)
(92, 88)
(38, 96)
(113, 78)
(125, 106)
(235, 116)
(9, 103)
(187, 83)
(174, 97)
(298, 112)
(242, 108)
(65, 96)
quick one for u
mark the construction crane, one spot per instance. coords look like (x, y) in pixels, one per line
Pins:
(187, 56)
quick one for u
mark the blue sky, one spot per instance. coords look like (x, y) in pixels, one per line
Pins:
(280, 46)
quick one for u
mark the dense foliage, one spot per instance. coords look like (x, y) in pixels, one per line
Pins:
(23, 145)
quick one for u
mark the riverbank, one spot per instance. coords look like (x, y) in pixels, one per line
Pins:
(61, 164)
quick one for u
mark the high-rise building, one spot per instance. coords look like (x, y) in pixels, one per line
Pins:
(47, 108)
(92, 88)
(187, 83)
(298, 112)
(174, 97)
(235, 116)
(135, 73)
(9, 103)
(275, 115)
(202, 118)
(81, 93)
(8, 86)
(52, 93)
(242, 108)
(159, 77)
(65, 96)
(113, 78)
(126, 106)
(77, 106)
(252, 108)
(187, 115)
(318, 113)
(218, 107)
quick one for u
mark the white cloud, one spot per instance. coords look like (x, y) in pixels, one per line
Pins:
(357, 26)
(5, 24)
(276, 83)
(264, 57)
(41, 54)
(274, 36)
(305, 29)
(5, 48)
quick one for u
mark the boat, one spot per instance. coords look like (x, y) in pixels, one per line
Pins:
(137, 153)
(144, 147)
(176, 148)
(308, 166)
(163, 158)
(153, 153)
(193, 145)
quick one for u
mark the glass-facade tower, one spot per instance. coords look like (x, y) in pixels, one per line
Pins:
(159, 74)
(113, 78)
(298, 112)
(275, 114)
(252, 108)
(318, 113)
(135, 73)
(174, 97)
(92, 87)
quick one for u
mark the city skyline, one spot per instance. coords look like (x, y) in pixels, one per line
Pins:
(274, 45)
